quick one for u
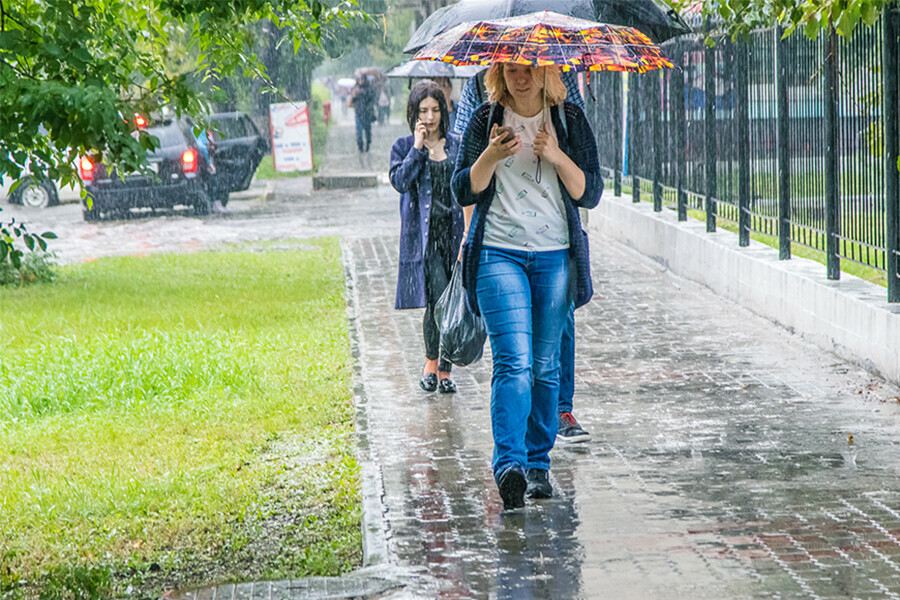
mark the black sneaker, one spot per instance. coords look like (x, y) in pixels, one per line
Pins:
(511, 484)
(538, 484)
(570, 432)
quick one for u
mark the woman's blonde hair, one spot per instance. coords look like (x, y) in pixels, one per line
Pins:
(495, 84)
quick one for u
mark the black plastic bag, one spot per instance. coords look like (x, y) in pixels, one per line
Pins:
(462, 331)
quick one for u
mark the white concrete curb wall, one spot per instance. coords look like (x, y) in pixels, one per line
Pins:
(850, 317)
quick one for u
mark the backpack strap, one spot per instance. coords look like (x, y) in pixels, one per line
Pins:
(564, 120)
(487, 133)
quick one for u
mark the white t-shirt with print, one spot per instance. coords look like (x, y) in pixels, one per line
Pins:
(526, 215)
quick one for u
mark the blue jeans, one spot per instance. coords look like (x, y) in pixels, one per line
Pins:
(523, 299)
(567, 363)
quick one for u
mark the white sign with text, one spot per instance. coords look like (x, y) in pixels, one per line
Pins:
(291, 142)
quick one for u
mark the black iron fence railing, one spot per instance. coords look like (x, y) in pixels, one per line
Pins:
(787, 137)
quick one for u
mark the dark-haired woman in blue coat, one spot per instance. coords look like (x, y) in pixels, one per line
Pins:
(431, 222)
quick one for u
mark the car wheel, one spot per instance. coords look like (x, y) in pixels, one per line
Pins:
(34, 194)
(222, 196)
(202, 205)
(90, 214)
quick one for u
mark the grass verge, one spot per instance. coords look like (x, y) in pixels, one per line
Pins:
(176, 420)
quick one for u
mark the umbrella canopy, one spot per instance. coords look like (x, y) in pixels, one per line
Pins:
(547, 38)
(652, 17)
(428, 68)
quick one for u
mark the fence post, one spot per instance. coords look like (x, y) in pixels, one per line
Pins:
(617, 133)
(634, 115)
(741, 94)
(784, 150)
(833, 262)
(711, 193)
(658, 81)
(678, 105)
(891, 151)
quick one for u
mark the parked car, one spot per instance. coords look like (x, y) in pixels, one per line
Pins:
(187, 172)
(181, 175)
(239, 148)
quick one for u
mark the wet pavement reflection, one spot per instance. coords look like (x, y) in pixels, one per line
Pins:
(721, 464)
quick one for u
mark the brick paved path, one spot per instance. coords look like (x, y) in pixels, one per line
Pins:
(720, 465)
(719, 468)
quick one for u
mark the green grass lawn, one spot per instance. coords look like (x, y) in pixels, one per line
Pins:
(177, 419)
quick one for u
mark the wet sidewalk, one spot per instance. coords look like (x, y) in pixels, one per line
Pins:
(721, 464)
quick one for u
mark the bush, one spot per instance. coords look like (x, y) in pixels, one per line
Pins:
(34, 267)
(16, 267)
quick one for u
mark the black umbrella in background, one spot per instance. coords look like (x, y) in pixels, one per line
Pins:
(656, 19)
(652, 17)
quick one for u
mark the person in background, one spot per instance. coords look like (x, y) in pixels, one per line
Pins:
(570, 431)
(362, 97)
(384, 105)
(207, 145)
(447, 87)
(525, 260)
(431, 222)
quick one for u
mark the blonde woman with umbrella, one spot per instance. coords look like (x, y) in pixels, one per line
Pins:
(526, 171)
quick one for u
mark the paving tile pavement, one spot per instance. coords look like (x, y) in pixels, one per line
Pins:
(720, 465)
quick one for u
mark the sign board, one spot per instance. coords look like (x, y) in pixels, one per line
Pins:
(291, 143)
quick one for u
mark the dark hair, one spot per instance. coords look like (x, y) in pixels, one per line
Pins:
(420, 91)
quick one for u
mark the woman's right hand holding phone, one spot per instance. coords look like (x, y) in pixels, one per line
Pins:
(502, 144)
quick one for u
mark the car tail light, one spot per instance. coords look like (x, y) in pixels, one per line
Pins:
(189, 161)
(86, 168)
(140, 122)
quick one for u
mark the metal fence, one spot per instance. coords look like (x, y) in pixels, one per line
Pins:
(787, 137)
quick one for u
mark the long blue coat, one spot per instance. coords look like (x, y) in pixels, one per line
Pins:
(411, 177)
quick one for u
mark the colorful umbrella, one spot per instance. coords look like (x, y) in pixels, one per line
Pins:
(652, 17)
(547, 38)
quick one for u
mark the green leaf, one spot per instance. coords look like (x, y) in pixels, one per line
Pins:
(29, 241)
(868, 13)
(49, 235)
(812, 29)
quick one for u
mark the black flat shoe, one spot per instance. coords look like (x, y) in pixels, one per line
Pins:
(429, 382)
(446, 386)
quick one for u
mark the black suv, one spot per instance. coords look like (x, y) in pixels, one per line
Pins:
(181, 176)
(238, 151)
